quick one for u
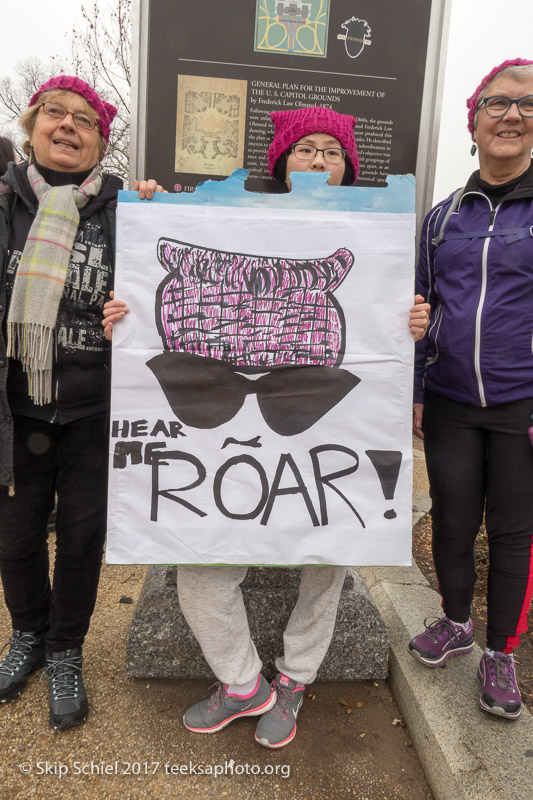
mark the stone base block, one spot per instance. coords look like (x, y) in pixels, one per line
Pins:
(161, 645)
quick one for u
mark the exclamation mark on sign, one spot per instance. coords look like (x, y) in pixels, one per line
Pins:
(387, 464)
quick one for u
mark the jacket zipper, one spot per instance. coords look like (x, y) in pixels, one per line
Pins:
(435, 326)
(479, 312)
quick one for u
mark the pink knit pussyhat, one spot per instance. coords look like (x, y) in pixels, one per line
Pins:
(290, 126)
(471, 103)
(106, 112)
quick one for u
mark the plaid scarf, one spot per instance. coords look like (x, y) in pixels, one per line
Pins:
(41, 277)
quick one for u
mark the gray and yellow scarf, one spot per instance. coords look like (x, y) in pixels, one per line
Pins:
(41, 276)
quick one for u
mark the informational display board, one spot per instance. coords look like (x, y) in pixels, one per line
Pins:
(208, 75)
(262, 380)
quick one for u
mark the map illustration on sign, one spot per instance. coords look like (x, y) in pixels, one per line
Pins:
(292, 27)
(210, 125)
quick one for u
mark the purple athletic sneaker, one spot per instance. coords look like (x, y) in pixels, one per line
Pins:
(440, 641)
(499, 691)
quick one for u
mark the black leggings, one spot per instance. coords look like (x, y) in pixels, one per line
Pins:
(71, 460)
(482, 459)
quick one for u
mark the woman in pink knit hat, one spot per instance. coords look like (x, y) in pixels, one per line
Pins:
(314, 140)
(474, 387)
(305, 140)
(57, 218)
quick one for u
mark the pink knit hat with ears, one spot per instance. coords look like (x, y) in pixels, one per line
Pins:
(106, 112)
(471, 103)
(290, 126)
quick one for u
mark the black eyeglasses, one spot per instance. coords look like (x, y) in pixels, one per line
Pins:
(57, 111)
(306, 152)
(498, 105)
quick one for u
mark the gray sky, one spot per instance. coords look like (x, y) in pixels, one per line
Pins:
(482, 34)
(36, 27)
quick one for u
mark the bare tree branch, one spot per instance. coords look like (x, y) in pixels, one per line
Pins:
(100, 51)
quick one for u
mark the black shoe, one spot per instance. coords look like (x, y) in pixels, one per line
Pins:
(68, 698)
(25, 655)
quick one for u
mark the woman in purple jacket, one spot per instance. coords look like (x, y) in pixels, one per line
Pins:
(474, 394)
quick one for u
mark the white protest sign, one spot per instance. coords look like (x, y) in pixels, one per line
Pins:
(262, 380)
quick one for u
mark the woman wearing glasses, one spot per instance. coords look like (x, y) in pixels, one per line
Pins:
(57, 217)
(307, 139)
(474, 391)
(304, 142)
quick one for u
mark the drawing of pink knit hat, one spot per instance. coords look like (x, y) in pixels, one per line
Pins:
(251, 311)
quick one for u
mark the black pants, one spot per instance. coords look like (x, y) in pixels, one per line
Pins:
(71, 460)
(482, 458)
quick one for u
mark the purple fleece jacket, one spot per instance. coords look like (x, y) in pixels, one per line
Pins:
(479, 281)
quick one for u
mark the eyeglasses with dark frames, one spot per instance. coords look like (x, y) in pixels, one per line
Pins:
(57, 111)
(498, 105)
(307, 152)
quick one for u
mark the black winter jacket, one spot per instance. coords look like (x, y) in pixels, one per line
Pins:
(81, 353)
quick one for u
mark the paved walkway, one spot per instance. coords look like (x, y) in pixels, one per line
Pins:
(351, 741)
(466, 753)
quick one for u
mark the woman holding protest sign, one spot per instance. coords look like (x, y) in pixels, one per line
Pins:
(305, 140)
(474, 389)
(57, 217)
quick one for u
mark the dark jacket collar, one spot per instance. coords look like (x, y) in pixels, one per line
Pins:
(525, 189)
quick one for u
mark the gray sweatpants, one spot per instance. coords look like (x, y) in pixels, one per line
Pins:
(212, 603)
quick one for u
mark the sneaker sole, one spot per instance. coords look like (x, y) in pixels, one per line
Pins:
(253, 712)
(277, 745)
(264, 742)
(441, 662)
(17, 692)
(498, 711)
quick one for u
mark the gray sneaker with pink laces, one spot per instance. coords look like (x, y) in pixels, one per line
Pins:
(222, 707)
(278, 727)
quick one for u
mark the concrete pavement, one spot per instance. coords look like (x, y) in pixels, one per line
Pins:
(466, 753)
